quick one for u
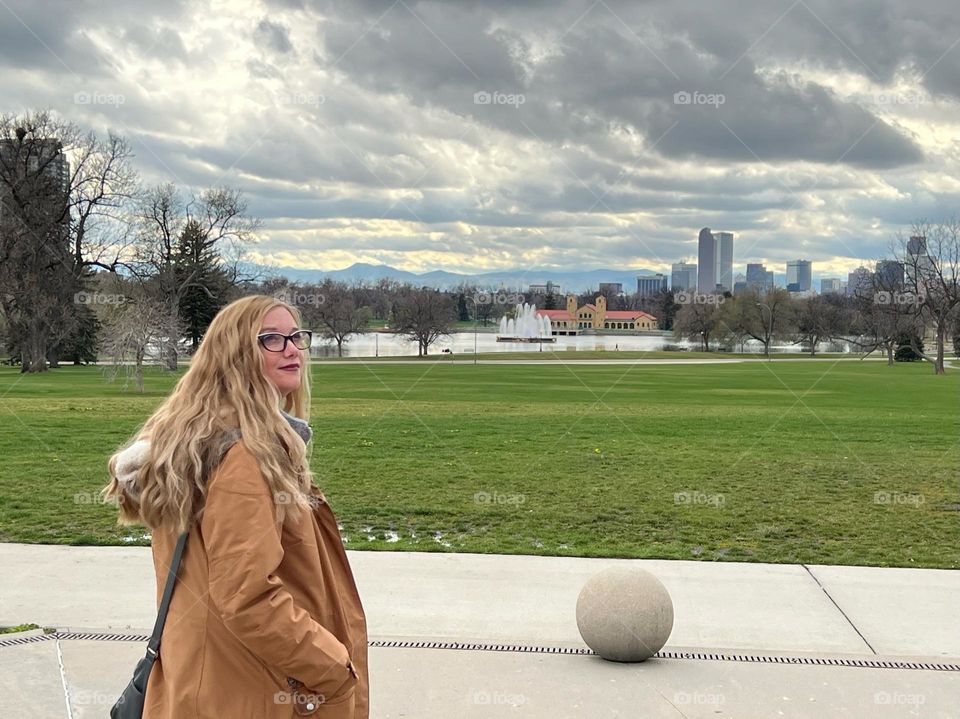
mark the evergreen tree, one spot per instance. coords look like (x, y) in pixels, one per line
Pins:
(204, 284)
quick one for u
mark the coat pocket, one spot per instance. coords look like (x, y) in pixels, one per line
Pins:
(307, 704)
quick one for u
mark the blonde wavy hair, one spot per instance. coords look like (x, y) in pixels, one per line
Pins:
(224, 389)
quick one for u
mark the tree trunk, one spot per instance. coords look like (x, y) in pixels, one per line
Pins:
(170, 358)
(138, 371)
(890, 355)
(941, 338)
(34, 352)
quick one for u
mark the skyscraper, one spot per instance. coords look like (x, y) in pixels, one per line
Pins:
(651, 284)
(714, 261)
(890, 274)
(830, 285)
(859, 282)
(724, 252)
(683, 276)
(41, 171)
(919, 265)
(799, 275)
(758, 277)
(706, 261)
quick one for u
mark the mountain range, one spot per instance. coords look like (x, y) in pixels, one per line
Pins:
(516, 279)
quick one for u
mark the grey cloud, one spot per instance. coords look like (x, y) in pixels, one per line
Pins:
(274, 36)
(605, 76)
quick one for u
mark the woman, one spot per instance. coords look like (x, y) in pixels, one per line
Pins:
(265, 619)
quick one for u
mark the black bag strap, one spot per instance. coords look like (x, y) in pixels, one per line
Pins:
(153, 646)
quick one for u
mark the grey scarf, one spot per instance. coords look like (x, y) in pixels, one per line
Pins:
(299, 426)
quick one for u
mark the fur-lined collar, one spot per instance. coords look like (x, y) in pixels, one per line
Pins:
(133, 457)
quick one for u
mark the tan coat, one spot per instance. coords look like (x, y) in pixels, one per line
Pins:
(258, 610)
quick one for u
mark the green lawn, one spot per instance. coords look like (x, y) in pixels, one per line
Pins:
(839, 462)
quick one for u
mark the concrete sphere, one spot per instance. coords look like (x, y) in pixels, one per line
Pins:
(624, 614)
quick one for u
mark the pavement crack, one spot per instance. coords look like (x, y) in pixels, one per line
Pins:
(833, 601)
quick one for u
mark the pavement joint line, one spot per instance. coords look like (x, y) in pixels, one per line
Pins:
(63, 677)
(733, 655)
(833, 601)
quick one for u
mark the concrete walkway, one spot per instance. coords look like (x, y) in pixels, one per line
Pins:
(757, 617)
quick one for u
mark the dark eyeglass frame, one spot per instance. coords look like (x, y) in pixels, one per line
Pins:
(261, 338)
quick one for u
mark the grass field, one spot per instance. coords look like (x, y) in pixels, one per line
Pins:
(838, 462)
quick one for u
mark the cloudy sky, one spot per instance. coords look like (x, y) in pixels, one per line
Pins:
(471, 136)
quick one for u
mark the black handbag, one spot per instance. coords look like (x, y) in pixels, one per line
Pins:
(130, 703)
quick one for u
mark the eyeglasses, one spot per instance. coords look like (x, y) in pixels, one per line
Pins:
(277, 341)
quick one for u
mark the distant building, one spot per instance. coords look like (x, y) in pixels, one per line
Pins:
(550, 288)
(611, 288)
(919, 265)
(714, 261)
(799, 275)
(890, 274)
(830, 285)
(706, 261)
(683, 276)
(724, 259)
(574, 320)
(651, 284)
(42, 164)
(758, 277)
(859, 282)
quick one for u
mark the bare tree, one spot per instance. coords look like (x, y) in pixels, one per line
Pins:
(931, 260)
(134, 331)
(698, 320)
(885, 313)
(423, 315)
(62, 198)
(815, 319)
(218, 222)
(762, 316)
(330, 308)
